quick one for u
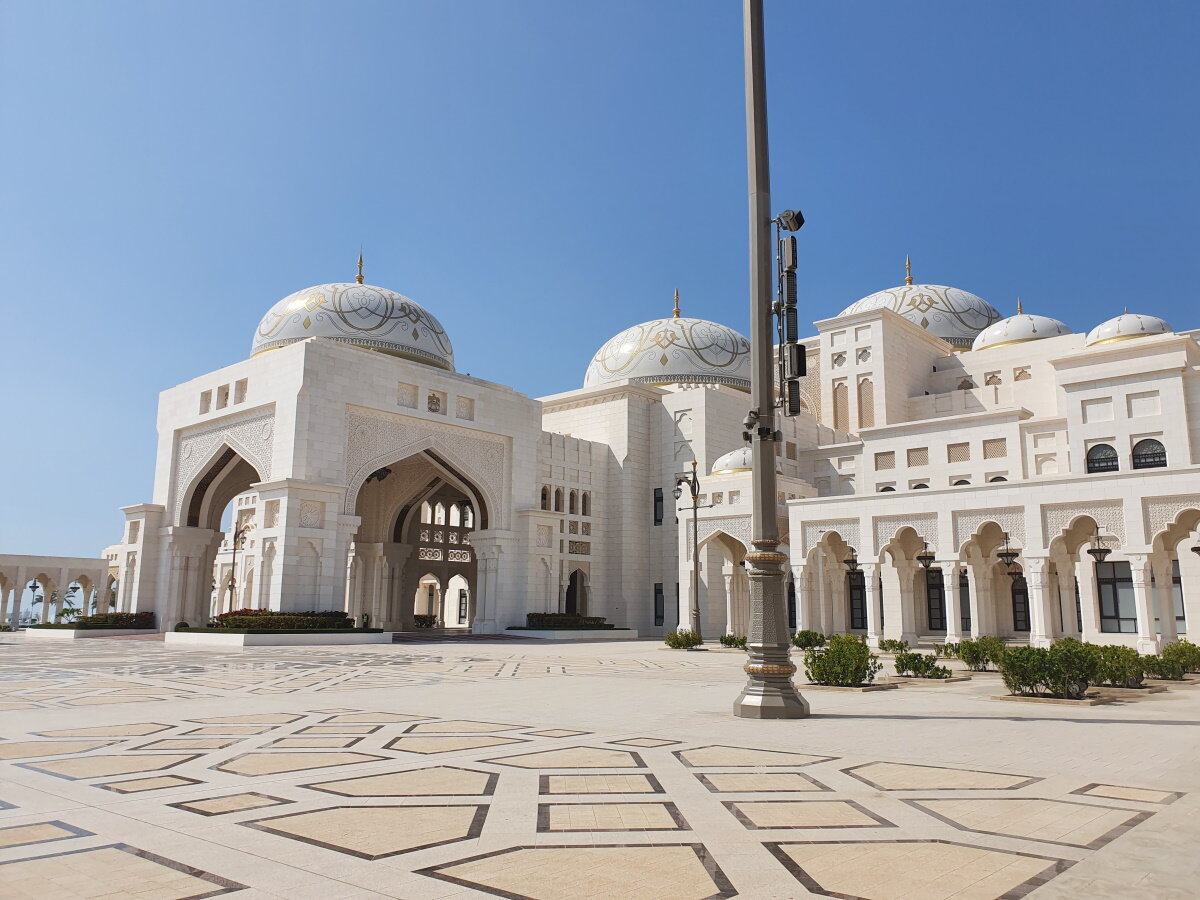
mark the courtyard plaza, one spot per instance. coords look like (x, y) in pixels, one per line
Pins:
(512, 768)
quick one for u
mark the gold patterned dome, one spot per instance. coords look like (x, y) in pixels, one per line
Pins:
(359, 314)
(678, 350)
(954, 315)
(1125, 326)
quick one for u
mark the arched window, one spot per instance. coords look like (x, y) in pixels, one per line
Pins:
(866, 403)
(1149, 454)
(585, 503)
(439, 514)
(455, 516)
(887, 489)
(545, 498)
(997, 479)
(961, 482)
(468, 516)
(920, 487)
(573, 502)
(841, 407)
(426, 513)
(1102, 458)
(558, 500)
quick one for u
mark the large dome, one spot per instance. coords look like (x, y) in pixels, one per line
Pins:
(360, 314)
(673, 351)
(1018, 329)
(1125, 326)
(954, 315)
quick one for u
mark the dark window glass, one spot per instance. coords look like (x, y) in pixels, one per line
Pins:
(462, 607)
(1102, 458)
(1020, 604)
(920, 487)
(961, 482)
(1078, 609)
(1149, 454)
(660, 604)
(879, 593)
(791, 601)
(997, 479)
(856, 592)
(935, 599)
(658, 506)
(887, 490)
(964, 599)
(1118, 612)
(1177, 594)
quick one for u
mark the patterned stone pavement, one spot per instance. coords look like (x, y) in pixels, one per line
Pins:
(556, 772)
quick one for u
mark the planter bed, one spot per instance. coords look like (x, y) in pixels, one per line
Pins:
(912, 679)
(1087, 701)
(575, 634)
(1104, 690)
(281, 637)
(72, 632)
(1189, 680)
(858, 689)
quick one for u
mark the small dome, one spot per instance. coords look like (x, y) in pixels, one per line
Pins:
(738, 460)
(954, 315)
(359, 314)
(1018, 329)
(673, 351)
(1126, 326)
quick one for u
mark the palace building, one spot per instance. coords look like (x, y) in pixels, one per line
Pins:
(955, 472)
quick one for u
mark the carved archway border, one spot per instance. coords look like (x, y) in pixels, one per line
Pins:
(250, 436)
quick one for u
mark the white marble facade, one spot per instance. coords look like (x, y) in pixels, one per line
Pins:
(368, 475)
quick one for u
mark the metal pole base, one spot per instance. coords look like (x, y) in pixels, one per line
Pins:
(770, 696)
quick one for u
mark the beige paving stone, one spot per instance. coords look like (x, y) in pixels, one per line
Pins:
(376, 718)
(804, 814)
(188, 743)
(556, 733)
(928, 870)
(732, 757)
(282, 762)
(461, 726)
(600, 784)
(599, 873)
(417, 744)
(1059, 821)
(100, 766)
(1116, 792)
(138, 730)
(218, 806)
(109, 699)
(372, 832)
(645, 742)
(154, 783)
(106, 872)
(30, 749)
(316, 741)
(609, 817)
(338, 729)
(748, 782)
(231, 730)
(436, 781)
(574, 758)
(8, 706)
(890, 776)
(251, 719)
(40, 832)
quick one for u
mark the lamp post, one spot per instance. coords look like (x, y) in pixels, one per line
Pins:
(239, 532)
(770, 692)
(693, 485)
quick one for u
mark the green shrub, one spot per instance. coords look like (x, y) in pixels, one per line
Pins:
(920, 666)
(276, 620)
(1073, 668)
(119, 619)
(993, 648)
(806, 639)
(845, 662)
(681, 640)
(423, 620)
(729, 640)
(1026, 670)
(1165, 667)
(182, 626)
(852, 636)
(564, 620)
(1185, 652)
(947, 650)
(1119, 666)
(973, 655)
(891, 645)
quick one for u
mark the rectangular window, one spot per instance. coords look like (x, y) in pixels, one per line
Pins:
(660, 604)
(964, 599)
(995, 448)
(1020, 604)
(856, 591)
(886, 460)
(658, 506)
(239, 391)
(222, 396)
(935, 599)
(462, 607)
(791, 604)
(958, 453)
(1118, 612)
(1177, 594)
(918, 456)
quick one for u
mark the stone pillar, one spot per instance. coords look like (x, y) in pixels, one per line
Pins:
(839, 599)
(894, 595)
(495, 569)
(1066, 598)
(983, 618)
(1164, 601)
(1041, 612)
(953, 601)
(871, 591)
(1088, 598)
(727, 575)
(1147, 640)
(398, 611)
(803, 614)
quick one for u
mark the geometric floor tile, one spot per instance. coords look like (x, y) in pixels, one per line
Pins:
(219, 806)
(373, 832)
(231, 730)
(1116, 792)
(254, 719)
(192, 743)
(887, 776)
(320, 742)
(804, 814)
(460, 726)
(26, 749)
(554, 817)
(744, 756)
(381, 718)
(759, 782)
(884, 870)
(38, 833)
(153, 783)
(644, 742)
(557, 733)
(281, 763)
(108, 731)
(100, 766)
(339, 729)
(599, 784)
(677, 871)
(1053, 821)
(446, 744)
(574, 758)
(113, 871)
(437, 781)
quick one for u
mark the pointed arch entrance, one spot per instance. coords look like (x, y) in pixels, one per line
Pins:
(575, 602)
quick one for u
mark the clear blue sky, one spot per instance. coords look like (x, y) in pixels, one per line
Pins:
(539, 175)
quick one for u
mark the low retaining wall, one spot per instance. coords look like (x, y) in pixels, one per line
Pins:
(312, 639)
(576, 634)
(72, 634)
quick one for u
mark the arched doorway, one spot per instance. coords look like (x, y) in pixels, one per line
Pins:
(575, 603)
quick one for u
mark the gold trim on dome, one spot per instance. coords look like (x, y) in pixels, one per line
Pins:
(1014, 341)
(731, 471)
(1125, 337)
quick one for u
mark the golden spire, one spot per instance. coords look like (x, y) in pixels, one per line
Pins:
(359, 277)
(908, 270)
(1019, 310)
(677, 303)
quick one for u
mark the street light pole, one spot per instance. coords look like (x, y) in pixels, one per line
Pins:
(770, 692)
(239, 532)
(693, 483)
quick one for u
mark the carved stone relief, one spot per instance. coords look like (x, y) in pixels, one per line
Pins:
(249, 433)
(847, 528)
(1110, 516)
(968, 522)
(925, 525)
(1160, 512)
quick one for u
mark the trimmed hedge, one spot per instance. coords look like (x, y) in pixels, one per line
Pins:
(275, 620)
(845, 661)
(119, 620)
(1119, 666)
(564, 620)
(1184, 652)
(423, 620)
(681, 640)
(919, 666)
(806, 639)
(891, 645)
(1066, 670)
(732, 640)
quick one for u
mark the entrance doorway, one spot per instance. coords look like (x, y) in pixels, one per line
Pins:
(576, 600)
(1020, 604)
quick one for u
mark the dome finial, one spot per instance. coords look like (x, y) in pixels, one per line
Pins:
(908, 270)
(359, 277)
(1019, 310)
(676, 303)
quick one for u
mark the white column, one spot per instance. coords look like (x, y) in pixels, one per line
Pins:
(1041, 621)
(953, 601)
(1088, 598)
(727, 574)
(1147, 640)
(803, 615)
(1164, 601)
(871, 591)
